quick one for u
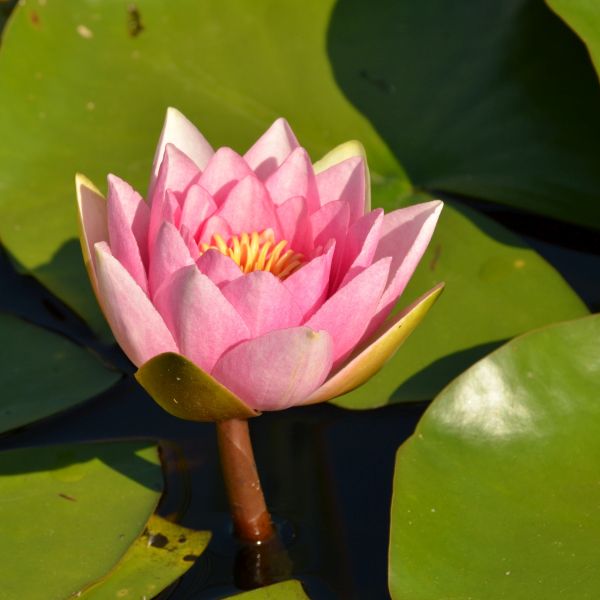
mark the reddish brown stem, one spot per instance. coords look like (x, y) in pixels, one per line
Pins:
(251, 518)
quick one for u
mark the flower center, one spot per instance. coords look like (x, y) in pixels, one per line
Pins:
(258, 252)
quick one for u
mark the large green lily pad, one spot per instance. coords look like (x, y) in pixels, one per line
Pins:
(69, 513)
(496, 494)
(42, 373)
(495, 100)
(163, 553)
(496, 288)
(583, 16)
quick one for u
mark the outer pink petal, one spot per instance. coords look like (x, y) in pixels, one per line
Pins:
(248, 208)
(182, 133)
(198, 205)
(203, 322)
(309, 284)
(346, 314)
(361, 244)
(277, 370)
(136, 324)
(214, 224)
(170, 253)
(92, 221)
(295, 225)
(128, 218)
(271, 149)
(295, 177)
(223, 171)
(263, 302)
(405, 236)
(220, 269)
(345, 181)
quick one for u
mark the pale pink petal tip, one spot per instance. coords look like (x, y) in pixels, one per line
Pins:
(271, 149)
(182, 133)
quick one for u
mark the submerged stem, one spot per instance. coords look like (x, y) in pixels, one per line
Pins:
(251, 518)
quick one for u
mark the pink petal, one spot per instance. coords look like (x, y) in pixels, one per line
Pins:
(405, 236)
(309, 284)
(277, 370)
(220, 269)
(361, 244)
(295, 225)
(138, 327)
(346, 314)
(271, 149)
(370, 357)
(182, 133)
(248, 208)
(295, 177)
(170, 253)
(128, 218)
(263, 302)
(223, 171)
(212, 225)
(190, 242)
(176, 174)
(345, 181)
(198, 205)
(330, 222)
(92, 222)
(203, 322)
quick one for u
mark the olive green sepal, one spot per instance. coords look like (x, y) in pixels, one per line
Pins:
(188, 392)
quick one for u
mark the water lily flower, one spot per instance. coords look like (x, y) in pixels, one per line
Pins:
(271, 275)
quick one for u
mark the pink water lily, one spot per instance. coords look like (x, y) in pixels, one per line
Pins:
(268, 272)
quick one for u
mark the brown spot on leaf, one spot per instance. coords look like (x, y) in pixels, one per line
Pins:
(437, 251)
(134, 21)
(190, 557)
(158, 540)
(67, 497)
(34, 17)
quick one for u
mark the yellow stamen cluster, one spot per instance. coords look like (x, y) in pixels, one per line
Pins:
(257, 252)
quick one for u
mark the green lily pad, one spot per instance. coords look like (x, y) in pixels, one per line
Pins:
(496, 494)
(163, 553)
(496, 288)
(42, 373)
(495, 100)
(287, 590)
(583, 16)
(69, 513)
(89, 85)
(188, 392)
